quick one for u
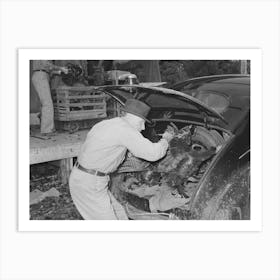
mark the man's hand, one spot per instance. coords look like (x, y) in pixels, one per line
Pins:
(64, 70)
(169, 133)
(60, 69)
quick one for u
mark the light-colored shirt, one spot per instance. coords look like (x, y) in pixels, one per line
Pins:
(108, 141)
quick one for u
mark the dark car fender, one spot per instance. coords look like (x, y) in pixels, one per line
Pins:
(224, 191)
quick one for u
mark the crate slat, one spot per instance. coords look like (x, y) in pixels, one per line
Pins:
(103, 104)
(82, 116)
(77, 88)
(64, 113)
(80, 97)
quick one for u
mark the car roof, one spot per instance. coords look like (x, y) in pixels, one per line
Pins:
(236, 78)
(235, 87)
(221, 79)
(225, 86)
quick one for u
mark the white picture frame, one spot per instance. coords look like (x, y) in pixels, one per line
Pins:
(127, 255)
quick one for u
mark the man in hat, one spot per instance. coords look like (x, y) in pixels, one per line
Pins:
(103, 151)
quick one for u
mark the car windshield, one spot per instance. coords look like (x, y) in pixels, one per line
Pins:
(214, 100)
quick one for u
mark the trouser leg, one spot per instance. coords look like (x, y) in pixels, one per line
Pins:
(91, 196)
(40, 81)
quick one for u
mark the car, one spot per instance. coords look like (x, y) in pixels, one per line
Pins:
(206, 172)
(227, 94)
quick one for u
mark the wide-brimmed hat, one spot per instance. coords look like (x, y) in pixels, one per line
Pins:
(137, 108)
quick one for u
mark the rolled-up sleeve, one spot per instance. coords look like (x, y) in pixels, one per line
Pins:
(142, 147)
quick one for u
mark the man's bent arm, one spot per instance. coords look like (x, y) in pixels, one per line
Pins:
(143, 148)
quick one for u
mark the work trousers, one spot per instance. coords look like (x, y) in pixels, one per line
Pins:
(92, 198)
(41, 83)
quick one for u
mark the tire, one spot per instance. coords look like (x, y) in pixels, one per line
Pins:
(205, 139)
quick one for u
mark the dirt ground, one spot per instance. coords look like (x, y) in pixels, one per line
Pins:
(43, 177)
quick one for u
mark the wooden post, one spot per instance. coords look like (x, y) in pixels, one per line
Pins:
(66, 166)
(243, 67)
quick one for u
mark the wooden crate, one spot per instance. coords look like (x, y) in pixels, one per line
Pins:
(73, 126)
(79, 103)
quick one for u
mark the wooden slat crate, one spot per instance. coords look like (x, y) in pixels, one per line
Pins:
(79, 103)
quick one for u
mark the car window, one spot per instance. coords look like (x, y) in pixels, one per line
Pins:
(214, 100)
(188, 90)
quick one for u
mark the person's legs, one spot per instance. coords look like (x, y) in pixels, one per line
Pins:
(90, 196)
(40, 81)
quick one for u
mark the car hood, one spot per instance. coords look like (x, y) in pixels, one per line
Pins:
(157, 97)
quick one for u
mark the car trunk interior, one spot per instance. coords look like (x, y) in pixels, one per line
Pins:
(164, 189)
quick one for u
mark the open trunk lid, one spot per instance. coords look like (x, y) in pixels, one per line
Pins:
(165, 99)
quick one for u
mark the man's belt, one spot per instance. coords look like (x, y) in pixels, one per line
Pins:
(90, 171)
